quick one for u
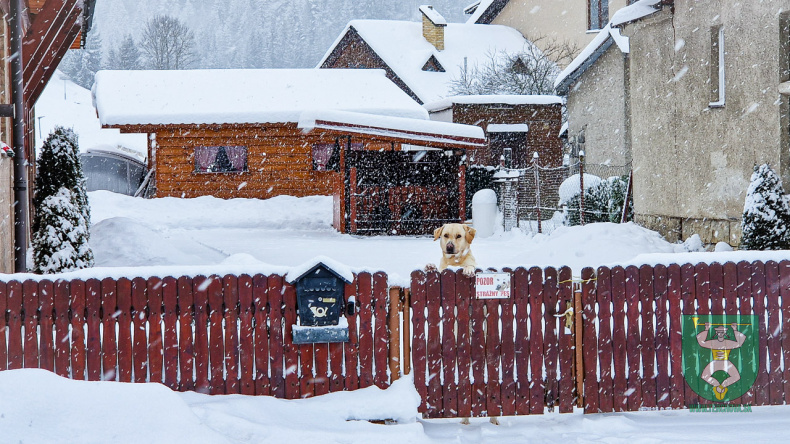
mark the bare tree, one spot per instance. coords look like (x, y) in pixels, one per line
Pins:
(530, 71)
(168, 43)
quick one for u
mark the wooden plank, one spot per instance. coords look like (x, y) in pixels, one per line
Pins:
(230, 286)
(381, 331)
(633, 339)
(464, 288)
(550, 340)
(590, 342)
(124, 320)
(759, 292)
(663, 371)
(15, 350)
(260, 299)
(186, 322)
(521, 300)
(155, 347)
(200, 286)
(336, 380)
(30, 321)
(537, 385)
(716, 273)
(62, 337)
(773, 334)
(170, 333)
(449, 387)
(647, 298)
(566, 344)
(78, 325)
(745, 291)
(3, 326)
(619, 343)
(216, 348)
(306, 375)
(351, 348)
(605, 344)
(276, 340)
(46, 324)
(139, 324)
(109, 346)
(289, 350)
(433, 293)
(784, 291)
(365, 301)
(246, 336)
(675, 331)
(688, 290)
(321, 369)
(509, 386)
(419, 335)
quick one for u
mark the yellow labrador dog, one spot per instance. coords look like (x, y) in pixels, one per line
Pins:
(455, 240)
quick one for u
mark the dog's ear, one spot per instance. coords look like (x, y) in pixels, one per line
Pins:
(470, 233)
(437, 233)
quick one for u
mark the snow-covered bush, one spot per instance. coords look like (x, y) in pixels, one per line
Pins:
(603, 202)
(766, 213)
(61, 243)
(60, 191)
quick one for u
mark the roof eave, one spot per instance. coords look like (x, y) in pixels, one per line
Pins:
(564, 86)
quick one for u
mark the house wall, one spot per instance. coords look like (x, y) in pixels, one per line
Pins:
(544, 123)
(596, 108)
(279, 162)
(559, 20)
(693, 162)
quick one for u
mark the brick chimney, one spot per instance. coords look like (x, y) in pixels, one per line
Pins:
(433, 25)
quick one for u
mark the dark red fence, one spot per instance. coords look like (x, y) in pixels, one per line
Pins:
(211, 334)
(492, 357)
(632, 343)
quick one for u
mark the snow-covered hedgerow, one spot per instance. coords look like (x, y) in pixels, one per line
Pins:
(766, 213)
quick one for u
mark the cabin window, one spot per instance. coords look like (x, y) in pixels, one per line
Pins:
(326, 157)
(220, 159)
(597, 14)
(717, 67)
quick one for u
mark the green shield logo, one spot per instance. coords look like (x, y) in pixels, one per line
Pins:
(721, 355)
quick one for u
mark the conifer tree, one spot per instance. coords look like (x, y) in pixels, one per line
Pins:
(766, 213)
(59, 176)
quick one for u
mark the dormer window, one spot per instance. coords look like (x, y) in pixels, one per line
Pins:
(433, 65)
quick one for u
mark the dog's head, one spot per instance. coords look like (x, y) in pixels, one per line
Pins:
(454, 238)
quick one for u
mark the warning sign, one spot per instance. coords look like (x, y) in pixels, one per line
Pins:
(492, 285)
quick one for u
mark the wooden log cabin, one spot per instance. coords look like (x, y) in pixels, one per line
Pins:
(262, 133)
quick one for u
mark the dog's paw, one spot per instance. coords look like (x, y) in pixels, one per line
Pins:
(464, 421)
(494, 420)
(430, 267)
(469, 270)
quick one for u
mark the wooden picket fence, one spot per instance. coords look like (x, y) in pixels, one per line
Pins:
(492, 357)
(217, 335)
(632, 341)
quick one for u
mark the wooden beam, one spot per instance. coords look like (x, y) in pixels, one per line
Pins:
(47, 26)
(35, 84)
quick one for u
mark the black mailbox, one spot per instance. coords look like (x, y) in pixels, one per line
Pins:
(320, 298)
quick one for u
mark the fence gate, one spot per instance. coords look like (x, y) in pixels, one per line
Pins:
(492, 357)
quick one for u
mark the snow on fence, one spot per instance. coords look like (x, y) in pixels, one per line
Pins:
(492, 357)
(214, 334)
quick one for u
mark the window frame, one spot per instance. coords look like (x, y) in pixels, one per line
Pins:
(601, 8)
(198, 170)
(717, 72)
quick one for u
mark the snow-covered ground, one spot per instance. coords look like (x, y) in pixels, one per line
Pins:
(39, 407)
(287, 231)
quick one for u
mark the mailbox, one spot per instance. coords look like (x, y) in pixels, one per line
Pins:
(320, 298)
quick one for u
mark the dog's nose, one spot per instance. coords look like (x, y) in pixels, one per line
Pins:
(450, 248)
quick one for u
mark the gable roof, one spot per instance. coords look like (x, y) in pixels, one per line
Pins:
(402, 47)
(485, 11)
(609, 35)
(216, 96)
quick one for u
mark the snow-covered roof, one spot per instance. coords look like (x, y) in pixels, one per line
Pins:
(402, 128)
(608, 35)
(507, 128)
(485, 11)
(505, 99)
(244, 96)
(433, 15)
(401, 45)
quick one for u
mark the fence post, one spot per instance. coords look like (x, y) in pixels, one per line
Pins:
(581, 186)
(577, 334)
(537, 187)
(394, 327)
(406, 331)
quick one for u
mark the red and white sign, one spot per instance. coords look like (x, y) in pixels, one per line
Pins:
(492, 285)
